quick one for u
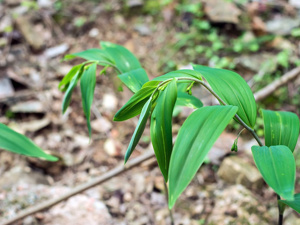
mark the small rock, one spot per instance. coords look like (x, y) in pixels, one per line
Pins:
(295, 3)
(5, 24)
(235, 205)
(110, 147)
(94, 32)
(101, 125)
(159, 183)
(236, 170)
(81, 141)
(56, 51)
(20, 176)
(28, 107)
(33, 38)
(222, 11)
(44, 3)
(292, 219)
(143, 30)
(282, 25)
(33, 125)
(110, 102)
(134, 3)
(88, 211)
(6, 87)
(256, 62)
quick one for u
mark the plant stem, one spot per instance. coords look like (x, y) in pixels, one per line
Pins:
(167, 198)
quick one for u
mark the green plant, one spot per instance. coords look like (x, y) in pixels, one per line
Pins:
(156, 99)
(18, 143)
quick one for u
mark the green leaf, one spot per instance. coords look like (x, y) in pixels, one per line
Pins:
(233, 90)
(135, 104)
(93, 54)
(184, 99)
(278, 168)
(161, 127)
(124, 60)
(294, 204)
(87, 85)
(180, 73)
(18, 143)
(134, 79)
(139, 129)
(195, 138)
(69, 91)
(281, 128)
(66, 80)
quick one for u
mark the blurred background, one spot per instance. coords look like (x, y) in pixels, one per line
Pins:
(258, 39)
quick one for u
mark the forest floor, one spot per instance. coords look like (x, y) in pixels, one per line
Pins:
(258, 40)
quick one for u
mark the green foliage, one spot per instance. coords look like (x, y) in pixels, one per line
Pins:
(195, 138)
(278, 168)
(139, 128)
(134, 79)
(233, 90)
(294, 204)
(87, 85)
(135, 104)
(281, 128)
(159, 98)
(161, 126)
(18, 143)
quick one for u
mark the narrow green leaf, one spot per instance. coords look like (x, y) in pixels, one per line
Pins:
(66, 80)
(180, 73)
(135, 104)
(93, 54)
(87, 85)
(134, 79)
(233, 90)
(139, 129)
(69, 91)
(294, 204)
(124, 60)
(18, 143)
(278, 168)
(195, 138)
(161, 127)
(281, 128)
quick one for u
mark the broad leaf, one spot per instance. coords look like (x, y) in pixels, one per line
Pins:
(69, 91)
(161, 127)
(93, 54)
(18, 143)
(294, 204)
(66, 80)
(184, 99)
(134, 79)
(135, 104)
(195, 138)
(180, 73)
(124, 60)
(277, 166)
(139, 129)
(87, 85)
(281, 128)
(233, 90)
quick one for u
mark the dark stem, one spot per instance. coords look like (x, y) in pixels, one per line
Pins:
(280, 212)
(167, 198)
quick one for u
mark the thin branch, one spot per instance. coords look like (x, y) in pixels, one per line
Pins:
(83, 187)
(269, 89)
